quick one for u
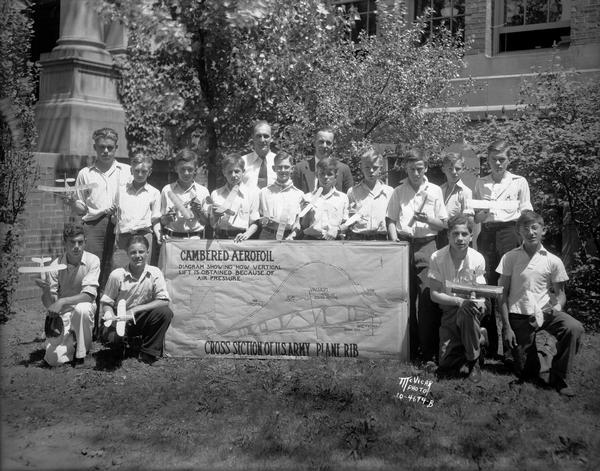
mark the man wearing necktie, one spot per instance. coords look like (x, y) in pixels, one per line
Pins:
(304, 175)
(259, 163)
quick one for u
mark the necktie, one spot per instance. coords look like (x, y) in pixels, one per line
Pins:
(262, 174)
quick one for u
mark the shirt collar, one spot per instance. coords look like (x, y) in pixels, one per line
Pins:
(144, 187)
(190, 188)
(332, 192)
(128, 273)
(377, 189)
(423, 186)
(542, 250)
(65, 260)
(284, 186)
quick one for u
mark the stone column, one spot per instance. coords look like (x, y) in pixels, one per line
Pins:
(78, 85)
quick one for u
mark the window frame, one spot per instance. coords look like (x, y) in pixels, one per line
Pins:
(501, 28)
(431, 20)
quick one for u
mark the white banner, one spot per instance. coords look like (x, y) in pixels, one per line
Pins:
(287, 298)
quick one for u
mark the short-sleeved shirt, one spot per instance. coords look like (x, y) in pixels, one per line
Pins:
(371, 205)
(137, 208)
(329, 212)
(244, 206)
(280, 203)
(105, 193)
(510, 188)
(252, 168)
(455, 197)
(405, 202)
(531, 279)
(121, 284)
(442, 268)
(76, 279)
(180, 224)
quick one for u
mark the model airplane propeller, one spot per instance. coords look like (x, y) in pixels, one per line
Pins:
(121, 318)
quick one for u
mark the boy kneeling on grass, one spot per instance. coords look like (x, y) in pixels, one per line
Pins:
(70, 295)
(144, 290)
(461, 335)
(533, 300)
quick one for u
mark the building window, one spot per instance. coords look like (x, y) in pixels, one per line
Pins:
(449, 14)
(531, 24)
(363, 14)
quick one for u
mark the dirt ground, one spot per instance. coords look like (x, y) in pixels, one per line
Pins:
(275, 414)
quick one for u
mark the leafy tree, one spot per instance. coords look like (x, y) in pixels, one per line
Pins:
(556, 137)
(218, 65)
(17, 137)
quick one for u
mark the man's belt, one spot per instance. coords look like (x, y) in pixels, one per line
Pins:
(366, 235)
(142, 231)
(495, 225)
(417, 240)
(184, 235)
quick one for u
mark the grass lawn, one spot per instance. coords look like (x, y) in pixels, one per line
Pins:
(323, 414)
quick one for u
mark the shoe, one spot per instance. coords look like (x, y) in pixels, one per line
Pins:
(147, 358)
(567, 391)
(78, 363)
(475, 373)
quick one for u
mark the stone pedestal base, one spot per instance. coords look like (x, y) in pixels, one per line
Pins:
(66, 126)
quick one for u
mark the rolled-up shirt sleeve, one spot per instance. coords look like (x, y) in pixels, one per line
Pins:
(111, 290)
(89, 283)
(160, 287)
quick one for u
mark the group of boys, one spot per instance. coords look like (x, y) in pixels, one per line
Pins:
(268, 196)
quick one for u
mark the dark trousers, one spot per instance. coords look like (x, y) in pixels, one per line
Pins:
(100, 240)
(424, 315)
(495, 239)
(531, 358)
(152, 327)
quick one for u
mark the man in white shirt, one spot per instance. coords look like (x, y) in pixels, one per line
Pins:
(259, 164)
(96, 205)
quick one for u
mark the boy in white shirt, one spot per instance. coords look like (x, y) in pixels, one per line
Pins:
(533, 300)
(369, 199)
(234, 212)
(96, 205)
(191, 194)
(280, 202)
(455, 192)
(460, 331)
(416, 213)
(329, 206)
(138, 210)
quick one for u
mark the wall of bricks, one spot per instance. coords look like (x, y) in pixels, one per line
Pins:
(585, 22)
(475, 12)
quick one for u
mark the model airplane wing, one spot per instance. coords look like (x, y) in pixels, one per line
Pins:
(121, 314)
(465, 289)
(44, 269)
(67, 189)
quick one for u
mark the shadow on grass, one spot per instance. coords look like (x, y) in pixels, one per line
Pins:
(108, 359)
(35, 359)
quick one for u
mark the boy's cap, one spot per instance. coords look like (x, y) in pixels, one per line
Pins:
(107, 133)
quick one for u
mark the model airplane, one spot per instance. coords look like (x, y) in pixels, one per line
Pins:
(66, 188)
(121, 318)
(467, 290)
(42, 268)
(311, 202)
